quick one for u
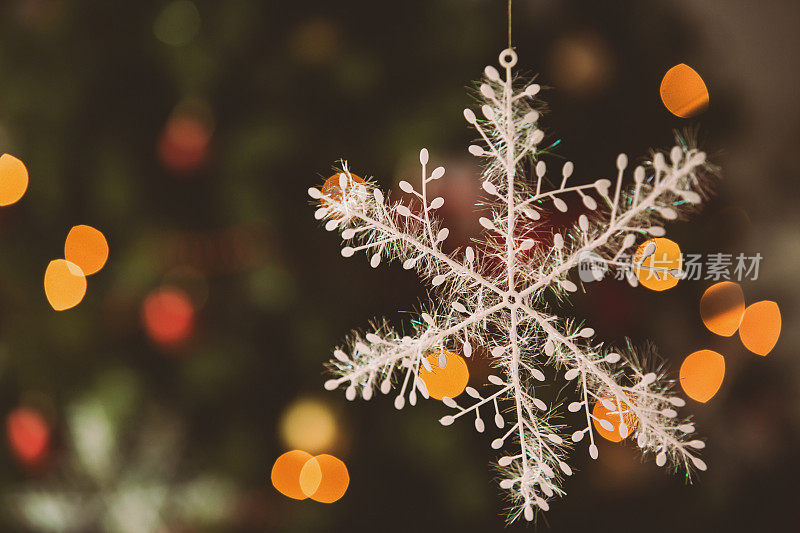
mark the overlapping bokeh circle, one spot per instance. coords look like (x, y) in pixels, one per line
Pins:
(299, 475)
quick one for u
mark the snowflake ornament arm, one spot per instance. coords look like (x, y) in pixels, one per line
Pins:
(634, 397)
(669, 192)
(492, 297)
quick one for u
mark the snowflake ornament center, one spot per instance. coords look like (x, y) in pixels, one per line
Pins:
(513, 300)
(501, 309)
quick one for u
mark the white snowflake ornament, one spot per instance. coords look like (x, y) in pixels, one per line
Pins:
(492, 296)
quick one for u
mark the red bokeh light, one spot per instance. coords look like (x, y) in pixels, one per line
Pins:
(183, 146)
(168, 316)
(28, 436)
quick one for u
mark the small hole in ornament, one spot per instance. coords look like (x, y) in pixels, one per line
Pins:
(508, 58)
(512, 299)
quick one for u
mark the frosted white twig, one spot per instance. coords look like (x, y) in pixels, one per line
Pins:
(491, 296)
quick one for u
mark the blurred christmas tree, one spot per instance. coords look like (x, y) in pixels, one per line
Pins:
(189, 132)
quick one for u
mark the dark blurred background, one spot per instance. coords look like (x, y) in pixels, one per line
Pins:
(189, 132)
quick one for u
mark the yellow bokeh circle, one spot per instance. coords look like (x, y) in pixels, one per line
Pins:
(64, 284)
(309, 424)
(13, 179)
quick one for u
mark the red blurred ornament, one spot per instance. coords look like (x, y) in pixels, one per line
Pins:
(168, 316)
(183, 147)
(28, 436)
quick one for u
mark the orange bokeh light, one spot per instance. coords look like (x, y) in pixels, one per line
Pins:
(332, 189)
(701, 374)
(324, 478)
(86, 247)
(64, 284)
(28, 436)
(722, 308)
(285, 473)
(761, 327)
(449, 381)
(683, 91)
(13, 179)
(168, 316)
(666, 256)
(614, 416)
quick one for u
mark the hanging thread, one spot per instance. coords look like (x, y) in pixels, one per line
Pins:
(509, 24)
